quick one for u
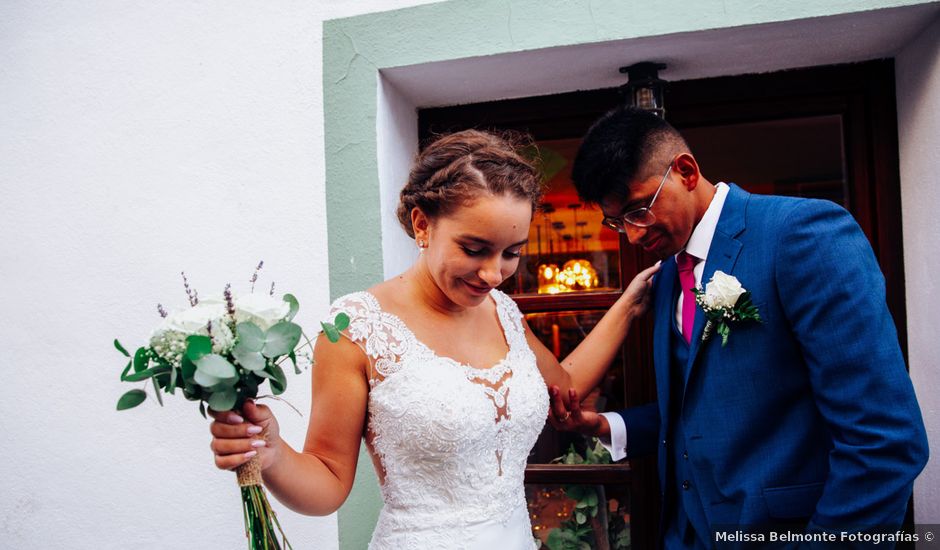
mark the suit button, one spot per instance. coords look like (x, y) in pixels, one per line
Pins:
(664, 442)
(685, 455)
(686, 485)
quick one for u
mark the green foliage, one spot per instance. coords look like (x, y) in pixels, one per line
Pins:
(570, 538)
(294, 306)
(250, 337)
(141, 359)
(131, 399)
(576, 532)
(198, 346)
(145, 374)
(281, 339)
(595, 453)
(120, 348)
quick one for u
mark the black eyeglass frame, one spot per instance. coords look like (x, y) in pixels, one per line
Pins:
(640, 217)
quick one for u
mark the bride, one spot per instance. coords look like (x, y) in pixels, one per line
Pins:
(438, 371)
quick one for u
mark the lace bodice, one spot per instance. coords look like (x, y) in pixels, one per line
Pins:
(452, 440)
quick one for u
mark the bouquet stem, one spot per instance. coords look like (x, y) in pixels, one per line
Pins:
(260, 519)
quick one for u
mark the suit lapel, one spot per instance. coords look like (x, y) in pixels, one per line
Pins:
(722, 255)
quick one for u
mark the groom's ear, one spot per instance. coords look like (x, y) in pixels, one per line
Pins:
(687, 168)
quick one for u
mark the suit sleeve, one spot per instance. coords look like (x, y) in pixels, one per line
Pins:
(833, 295)
(642, 424)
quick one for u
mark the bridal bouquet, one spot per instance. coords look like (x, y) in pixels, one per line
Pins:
(219, 351)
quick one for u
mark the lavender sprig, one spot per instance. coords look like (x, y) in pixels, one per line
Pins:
(272, 289)
(229, 302)
(254, 277)
(161, 311)
(190, 293)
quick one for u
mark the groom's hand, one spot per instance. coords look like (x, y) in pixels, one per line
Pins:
(569, 417)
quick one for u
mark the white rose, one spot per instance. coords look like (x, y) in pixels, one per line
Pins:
(169, 338)
(193, 320)
(261, 309)
(723, 290)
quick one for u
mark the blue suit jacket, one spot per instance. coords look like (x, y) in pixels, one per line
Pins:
(810, 414)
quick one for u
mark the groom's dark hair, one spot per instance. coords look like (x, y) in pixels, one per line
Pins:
(625, 145)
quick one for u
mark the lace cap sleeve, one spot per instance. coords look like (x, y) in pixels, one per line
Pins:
(371, 330)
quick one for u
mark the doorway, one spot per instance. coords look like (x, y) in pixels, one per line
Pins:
(824, 132)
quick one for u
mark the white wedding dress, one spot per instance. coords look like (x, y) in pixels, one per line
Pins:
(450, 441)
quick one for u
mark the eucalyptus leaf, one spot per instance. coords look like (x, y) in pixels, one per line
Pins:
(202, 408)
(120, 348)
(341, 322)
(332, 334)
(281, 339)
(266, 374)
(205, 380)
(223, 400)
(580, 517)
(294, 306)
(277, 380)
(126, 370)
(145, 374)
(156, 390)
(216, 366)
(171, 387)
(293, 360)
(131, 399)
(250, 337)
(249, 360)
(197, 346)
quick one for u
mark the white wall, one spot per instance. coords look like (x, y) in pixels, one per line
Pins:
(138, 139)
(918, 90)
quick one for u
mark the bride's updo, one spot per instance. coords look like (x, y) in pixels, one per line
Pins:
(456, 168)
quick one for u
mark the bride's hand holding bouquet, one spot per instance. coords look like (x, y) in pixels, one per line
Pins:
(220, 351)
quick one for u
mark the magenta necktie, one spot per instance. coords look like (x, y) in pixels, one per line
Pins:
(686, 263)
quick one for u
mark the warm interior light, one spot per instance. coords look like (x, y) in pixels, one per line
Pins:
(575, 275)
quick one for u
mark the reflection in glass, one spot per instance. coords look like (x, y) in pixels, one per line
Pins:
(572, 516)
(569, 250)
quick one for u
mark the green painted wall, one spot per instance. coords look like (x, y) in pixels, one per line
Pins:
(356, 48)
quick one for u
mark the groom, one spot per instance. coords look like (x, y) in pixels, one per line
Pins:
(806, 417)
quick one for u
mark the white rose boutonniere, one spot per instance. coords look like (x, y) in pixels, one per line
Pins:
(724, 300)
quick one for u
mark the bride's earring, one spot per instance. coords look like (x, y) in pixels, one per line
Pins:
(421, 245)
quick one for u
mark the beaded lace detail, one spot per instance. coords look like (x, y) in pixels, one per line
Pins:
(452, 440)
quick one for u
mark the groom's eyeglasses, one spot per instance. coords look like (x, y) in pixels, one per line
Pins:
(641, 217)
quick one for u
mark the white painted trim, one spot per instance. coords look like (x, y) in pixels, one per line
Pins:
(761, 48)
(396, 128)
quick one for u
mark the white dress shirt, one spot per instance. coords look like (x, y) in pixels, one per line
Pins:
(699, 244)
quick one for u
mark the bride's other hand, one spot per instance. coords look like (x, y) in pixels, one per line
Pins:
(638, 292)
(570, 417)
(236, 440)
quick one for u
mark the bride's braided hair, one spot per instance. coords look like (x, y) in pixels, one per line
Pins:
(455, 168)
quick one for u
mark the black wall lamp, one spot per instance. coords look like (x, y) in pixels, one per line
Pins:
(644, 88)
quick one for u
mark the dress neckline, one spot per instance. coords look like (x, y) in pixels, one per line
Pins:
(407, 330)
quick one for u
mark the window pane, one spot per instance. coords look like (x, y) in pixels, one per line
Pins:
(561, 332)
(799, 157)
(601, 521)
(569, 250)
